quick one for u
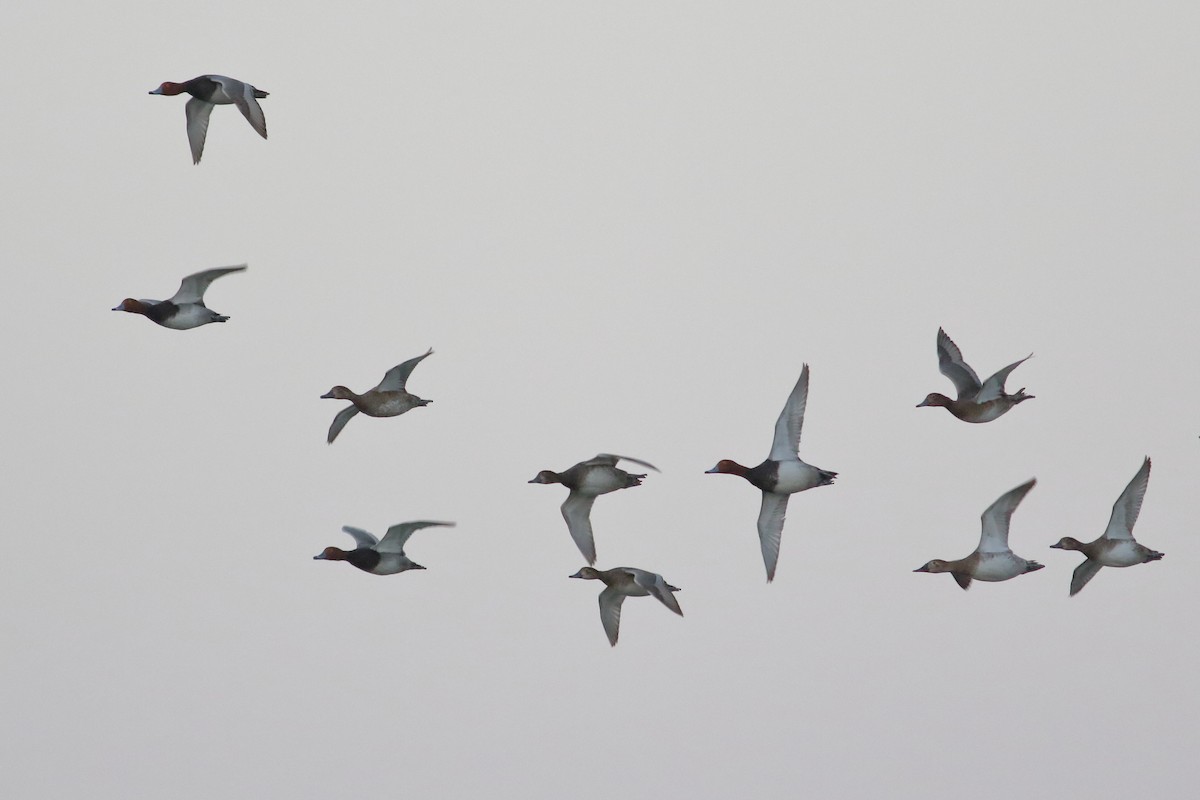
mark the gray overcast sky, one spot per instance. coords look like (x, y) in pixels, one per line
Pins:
(623, 227)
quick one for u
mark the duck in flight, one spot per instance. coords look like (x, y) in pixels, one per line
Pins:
(186, 307)
(992, 559)
(622, 582)
(388, 399)
(587, 480)
(977, 401)
(1116, 547)
(781, 475)
(380, 556)
(215, 90)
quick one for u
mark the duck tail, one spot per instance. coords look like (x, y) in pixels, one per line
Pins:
(1154, 555)
(827, 477)
(1021, 397)
(634, 480)
(1033, 566)
(220, 318)
(260, 93)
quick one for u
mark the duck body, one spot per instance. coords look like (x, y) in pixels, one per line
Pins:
(587, 480)
(374, 403)
(215, 90)
(390, 398)
(185, 309)
(1116, 547)
(969, 410)
(977, 401)
(992, 560)
(622, 582)
(384, 556)
(781, 475)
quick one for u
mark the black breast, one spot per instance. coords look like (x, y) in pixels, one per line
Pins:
(161, 312)
(201, 88)
(364, 558)
(765, 476)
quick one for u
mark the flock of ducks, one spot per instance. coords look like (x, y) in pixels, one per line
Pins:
(778, 477)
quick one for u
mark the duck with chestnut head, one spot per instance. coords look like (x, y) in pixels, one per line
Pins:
(781, 475)
(208, 91)
(380, 556)
(185, 310)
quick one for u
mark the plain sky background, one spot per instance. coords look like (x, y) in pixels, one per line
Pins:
(623, 227)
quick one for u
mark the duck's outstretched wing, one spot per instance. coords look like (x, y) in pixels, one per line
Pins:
(340, 421)
(193, 287)
(994, 538)
(577, 511)
(993, 387)
(248, 105)
(786, 443)
(394, 540)
(770, 529)
(396, 378)
(197, 112)
(658, 587)
(361, 537)
(610, 460)
(1082, 574)
(610, 613)
(1125, 511)
(952, 365)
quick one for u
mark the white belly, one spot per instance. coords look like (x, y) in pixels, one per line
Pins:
(602, 481)
(796, 476)
(1123, 554)
(189, 316)
(999, 567)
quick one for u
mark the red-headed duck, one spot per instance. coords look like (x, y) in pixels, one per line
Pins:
(976, 401)
(210, 90)
(587, 480)
(622, 582)
(388, 399)
(379, 556)
(186, 308)
(1116, 547)
(781, 475)
(992, 559)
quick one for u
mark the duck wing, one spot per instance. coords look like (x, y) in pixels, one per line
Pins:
(951, 364)
(197, 112)
(577, 511)
(1082, 574)
(244, 99)
(1125, 511)
(361, 537)
(770, 529)
(394, 540)
(193, 287)
(395, 379)
(340, 421)
(610, 613)
(610, 460)
(993, 387)
(994, 538)
(786, 444)
(657, 586)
